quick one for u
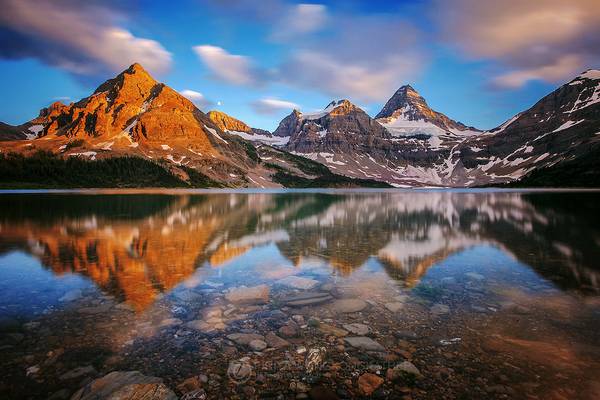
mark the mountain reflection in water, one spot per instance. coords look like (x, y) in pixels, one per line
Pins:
(137, 246)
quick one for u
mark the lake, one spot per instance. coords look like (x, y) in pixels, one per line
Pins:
(297, 294)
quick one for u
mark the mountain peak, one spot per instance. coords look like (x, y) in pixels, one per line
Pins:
(134, 76)
(135, 67)
(405, 98)
(407, 108)
(337, 103)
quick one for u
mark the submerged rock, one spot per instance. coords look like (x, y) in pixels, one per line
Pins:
(78, 373)
(439, 309)
(275, 341)
(349, 305)
(125, 385)
(357, 329)
(314, 359)
(257, 345)
(403, 370)
(298, 282)
(240, 370)
(364, 343)
(249, 295)
(245, 338)
(394, 307)
(368, 383)
(307, 299)
(71, 295)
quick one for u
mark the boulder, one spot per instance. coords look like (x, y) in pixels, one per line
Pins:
(125, 385)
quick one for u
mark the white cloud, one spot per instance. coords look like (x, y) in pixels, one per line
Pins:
(357, 81)
(270, 106)
(363, 58)
(300, 20)
(80, 37)
(548, 40)
(231, 68)
(196, 97)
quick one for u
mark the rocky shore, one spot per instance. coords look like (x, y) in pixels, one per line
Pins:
(298, 338)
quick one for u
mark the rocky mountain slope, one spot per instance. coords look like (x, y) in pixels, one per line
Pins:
(422, 147)
(236, 127)
(561, 128)
(134, 115)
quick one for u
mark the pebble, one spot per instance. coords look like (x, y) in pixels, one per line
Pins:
(368, 383)
(239, 371)
(439, 309)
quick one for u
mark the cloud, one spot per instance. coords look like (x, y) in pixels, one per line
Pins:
(197, 98)
(360, 81)
(79, 37)
(271, 106)
(300, 20)
(231, 68)
(548, 40)
(363, 58)
(563, 68)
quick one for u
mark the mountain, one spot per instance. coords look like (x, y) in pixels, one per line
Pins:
(406, 113)
(561, 129)
(422, 147)
(134, 116)
(340, 127)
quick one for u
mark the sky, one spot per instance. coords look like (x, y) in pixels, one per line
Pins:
(478, 61)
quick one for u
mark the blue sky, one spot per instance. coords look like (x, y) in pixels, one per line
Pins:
(476, 61)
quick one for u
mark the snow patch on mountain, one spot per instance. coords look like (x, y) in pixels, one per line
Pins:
(273, 140)
(567, 125)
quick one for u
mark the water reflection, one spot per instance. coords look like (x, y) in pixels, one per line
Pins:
(136, 247)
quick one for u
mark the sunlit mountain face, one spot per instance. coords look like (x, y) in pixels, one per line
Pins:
(139, 252)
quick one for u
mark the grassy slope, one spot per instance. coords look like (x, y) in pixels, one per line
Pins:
(323, 175)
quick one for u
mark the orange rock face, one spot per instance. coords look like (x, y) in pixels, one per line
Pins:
(132, 106)
(227, 123)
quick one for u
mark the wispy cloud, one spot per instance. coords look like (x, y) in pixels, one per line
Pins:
(364, 58)
(230, 68)
(197, 98)
(271, 106)
(80, 37)
(300, 20)
(548, 40)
